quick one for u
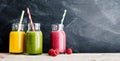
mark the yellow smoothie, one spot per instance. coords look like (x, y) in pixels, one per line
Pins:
(16, 41)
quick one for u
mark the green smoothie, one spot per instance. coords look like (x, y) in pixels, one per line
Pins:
(34, 42)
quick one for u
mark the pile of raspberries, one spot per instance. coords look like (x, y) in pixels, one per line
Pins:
(55, 52)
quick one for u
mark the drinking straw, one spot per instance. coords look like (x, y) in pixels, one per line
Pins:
(63, 17)
(30, 18)
(21, 19)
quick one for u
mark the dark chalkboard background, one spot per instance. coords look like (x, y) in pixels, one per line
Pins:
(91, 25)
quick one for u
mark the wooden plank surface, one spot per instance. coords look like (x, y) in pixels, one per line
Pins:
(64, 57)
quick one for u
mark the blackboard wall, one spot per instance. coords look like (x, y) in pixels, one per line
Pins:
(91, 26)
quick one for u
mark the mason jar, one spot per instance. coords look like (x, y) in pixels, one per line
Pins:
(34, 39)
(58, 38)
(16, 38)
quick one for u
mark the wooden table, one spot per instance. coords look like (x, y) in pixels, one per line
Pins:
(64, 57)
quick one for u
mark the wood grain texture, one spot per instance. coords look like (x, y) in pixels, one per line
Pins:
(65, 57)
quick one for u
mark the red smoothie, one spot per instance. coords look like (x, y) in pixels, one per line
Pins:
(58, 40)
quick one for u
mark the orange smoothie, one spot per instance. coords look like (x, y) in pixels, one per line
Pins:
(16, 41)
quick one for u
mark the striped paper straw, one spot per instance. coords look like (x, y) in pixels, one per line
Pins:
(21, 19)
(31, 22)
(63, 16)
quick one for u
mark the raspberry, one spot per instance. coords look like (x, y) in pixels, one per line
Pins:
(50, 51)
(53, 52)
(57, 51)
(69, 51)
